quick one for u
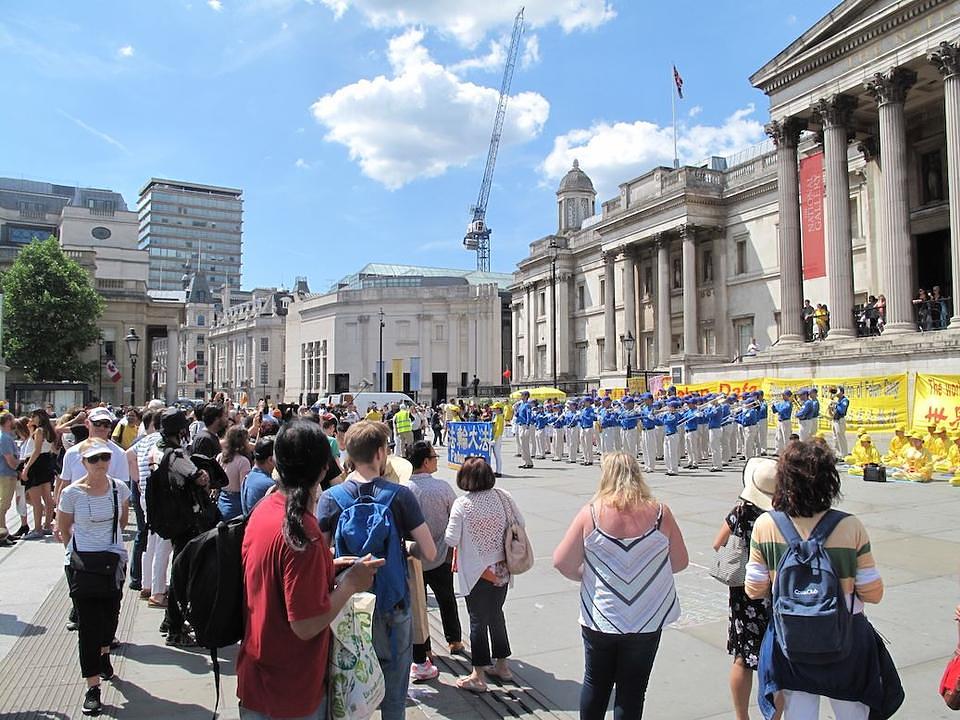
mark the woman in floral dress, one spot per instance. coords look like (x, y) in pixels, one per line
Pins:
(748, 618)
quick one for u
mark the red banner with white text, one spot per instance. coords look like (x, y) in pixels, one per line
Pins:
(811, 217)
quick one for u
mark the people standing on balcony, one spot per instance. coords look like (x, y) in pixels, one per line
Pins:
(806, 314)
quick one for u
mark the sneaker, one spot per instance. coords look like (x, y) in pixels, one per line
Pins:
(181, 640)
(34, 535)
(421, 672)
(48, 531)
(22, 531)
(72, 626)
(91, 701)
(106, 667)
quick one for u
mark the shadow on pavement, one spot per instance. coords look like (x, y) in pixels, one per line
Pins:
(195, 661)
(140, 703)
(554, 693)
(37, 715)
(12, 625)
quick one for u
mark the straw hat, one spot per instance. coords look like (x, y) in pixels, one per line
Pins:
(759, 482)
(398, 469)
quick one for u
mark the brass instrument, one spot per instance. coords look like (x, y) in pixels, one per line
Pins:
(831, 409)
(738, 407)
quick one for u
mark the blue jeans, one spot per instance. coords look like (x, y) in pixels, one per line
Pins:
(140, 539)
(393, 643)
(624, 661)
(319, 714)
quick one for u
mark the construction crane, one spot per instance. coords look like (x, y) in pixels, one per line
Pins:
(478, 234)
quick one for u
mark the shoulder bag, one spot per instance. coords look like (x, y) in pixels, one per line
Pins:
(517, 550)
(730, 563)
(950, 682)
(97, 574)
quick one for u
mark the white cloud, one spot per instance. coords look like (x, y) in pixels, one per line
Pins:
(694, 111)
(531, 52)
(493, 60)
(613, 153)
(791, 19)
(93, 131)
(216, 5)
(423, 119)
(126, 51)
(469, 21)
(302, 164)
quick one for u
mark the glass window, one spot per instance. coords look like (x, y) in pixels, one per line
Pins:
(200, 339)
(743, 330)
(581, 297)
(201, 320)
(602, 291)
(264, 373)
(200, 357)
(741, 265)
(677, 273)
(264, 344)
(707, 265)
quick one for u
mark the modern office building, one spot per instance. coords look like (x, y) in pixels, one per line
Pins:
(187, 227)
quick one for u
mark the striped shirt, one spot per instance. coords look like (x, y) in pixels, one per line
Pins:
(848, 547)
(627, 584)
(94, 528)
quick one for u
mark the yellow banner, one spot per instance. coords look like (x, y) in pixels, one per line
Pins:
(637, 385)
(396, 375)
(877, 403)
(721, 386)
(936, 399)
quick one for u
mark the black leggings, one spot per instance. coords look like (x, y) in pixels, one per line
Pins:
(487, 624)
(173, 616)
(624, 661)
(98, 618)
(440, 580)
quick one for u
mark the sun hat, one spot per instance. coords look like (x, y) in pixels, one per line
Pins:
(101, 413)
(398, 469)
(95, 446)
(759, 482)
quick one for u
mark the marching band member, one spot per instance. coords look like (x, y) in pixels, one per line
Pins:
(897, 443)
(557, 425)
(729, 428)
(784, 411)
(648, 433)
(715, 433)
(671, 440)
(864, 453)
(524, 420)
(515, 422)
(659, 405)
(917, 463)
(587, 417)
(691, 425)
(750, 420)
(805, 416)
(838, 421)
(629, 418)
(571, 429)
(815, 415)
(609, 427)
(540, 421)
(763, 427)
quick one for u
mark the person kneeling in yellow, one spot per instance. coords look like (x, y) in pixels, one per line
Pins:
(864, 453)
(917, 463)
(897, 443)
(939, 445)
(953, 458)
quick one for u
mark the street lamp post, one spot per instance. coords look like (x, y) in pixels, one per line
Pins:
(628, 344)
(133, 348)
(380, 372)
(100, 369)
(155, 366)
(553, 308)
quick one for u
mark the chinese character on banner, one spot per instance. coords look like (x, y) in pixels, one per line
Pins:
(468, 439)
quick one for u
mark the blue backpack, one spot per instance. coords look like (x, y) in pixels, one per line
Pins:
(366, 525)
(811, 620)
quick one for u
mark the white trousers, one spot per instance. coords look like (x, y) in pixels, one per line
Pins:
(671, 452)
(729, 444)
(650, 450)
(630, 441)
(716, 447)
(559, 435)
(573, 443)
(659, 431)
(784, 431)
(681, 442)
(764, 436)
(496, 452)
(840, 437)
(751, 440)
(586, 444)
(804, 706)
(526, 444)
(516, 436)
(808, 428)
(543, 443)
(156, 558)
(693, 446)
(608, 439)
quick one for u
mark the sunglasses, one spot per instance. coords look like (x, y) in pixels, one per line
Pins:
(102, 457)
(101, 423)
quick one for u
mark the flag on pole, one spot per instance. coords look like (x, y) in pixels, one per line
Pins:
(679, 82)
(112, 370)
(192, 365)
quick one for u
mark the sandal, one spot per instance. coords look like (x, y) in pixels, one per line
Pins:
(472, 685)
(157, 603)
(503, 677)
(145, 594)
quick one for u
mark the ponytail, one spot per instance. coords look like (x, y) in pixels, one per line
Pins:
(302, 454)
(296, 505)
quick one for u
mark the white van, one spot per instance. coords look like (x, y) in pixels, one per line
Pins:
(364, 399)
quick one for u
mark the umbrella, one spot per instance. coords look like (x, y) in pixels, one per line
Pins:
(540, 393)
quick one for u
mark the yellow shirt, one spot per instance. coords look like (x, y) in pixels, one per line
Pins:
(953, 456)
(897, 444)
(498, 426)
(936, 447)
(373, 416)
(125, 434)
(863, 455)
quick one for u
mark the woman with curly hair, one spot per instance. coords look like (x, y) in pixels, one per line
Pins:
(864, 683)
(235, 461)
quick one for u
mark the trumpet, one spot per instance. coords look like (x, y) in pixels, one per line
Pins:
(737, 407)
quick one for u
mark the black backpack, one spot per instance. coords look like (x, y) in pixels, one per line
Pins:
(174, 511)
(207, 580)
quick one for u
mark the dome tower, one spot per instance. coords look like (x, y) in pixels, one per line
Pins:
(576, 200)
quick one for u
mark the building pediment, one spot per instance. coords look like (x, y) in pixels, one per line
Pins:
(844, 30)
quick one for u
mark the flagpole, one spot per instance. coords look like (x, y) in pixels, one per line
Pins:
(673, 107)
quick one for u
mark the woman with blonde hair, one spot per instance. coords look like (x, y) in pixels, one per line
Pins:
(623, 547)
(235, 462)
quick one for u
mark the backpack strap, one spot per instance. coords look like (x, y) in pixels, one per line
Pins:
(786, 527)
(827, 525)
(389, 493)
(343, 498)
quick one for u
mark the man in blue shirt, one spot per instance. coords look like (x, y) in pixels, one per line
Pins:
(691, 426)
(609, 426)
(808, 425)
(648, 433)
(750, 420)
(629, 418)
(714, 416)
(671, 447)
(841, 405)
(8, 475)
(571, 430)
(763, 432)
(729, 428)
(784, 410)
(525, 426)
(541, 419)
(260, 478)
(586, 420)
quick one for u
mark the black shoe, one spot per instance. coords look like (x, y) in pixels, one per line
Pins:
(106, 667)
(164, 627)
(135, 585)
(72, 626)
(91, 701)
(22, 531)
(498, 475)
(181, 640)
(114, 644)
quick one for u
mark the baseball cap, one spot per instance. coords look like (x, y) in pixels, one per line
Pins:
(93, 447)
(100, 413)
(173, 421)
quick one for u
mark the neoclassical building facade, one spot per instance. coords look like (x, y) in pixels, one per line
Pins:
(694, 263)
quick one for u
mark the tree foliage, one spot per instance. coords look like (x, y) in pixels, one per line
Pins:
(50, 313)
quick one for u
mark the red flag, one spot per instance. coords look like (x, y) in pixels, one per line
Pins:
(506, 374)
(112, 370)
(679, 82)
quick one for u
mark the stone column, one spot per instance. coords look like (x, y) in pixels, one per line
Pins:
(367, 367)
(530, 332)
(786, 135)
(947, 60)
(630, 300)
(662, 308)
(173, 364)
(721, 323)
(515, 350)
(563, 322)
(835, 113)
(688, 238)
(425, 322)
(895, 261)
(453, 354)
(609, 314)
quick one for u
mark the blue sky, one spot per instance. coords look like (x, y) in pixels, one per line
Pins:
(358, 129)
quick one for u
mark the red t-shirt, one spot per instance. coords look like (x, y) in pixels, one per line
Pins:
(278, 674)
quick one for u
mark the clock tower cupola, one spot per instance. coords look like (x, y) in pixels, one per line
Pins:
(576, 200)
